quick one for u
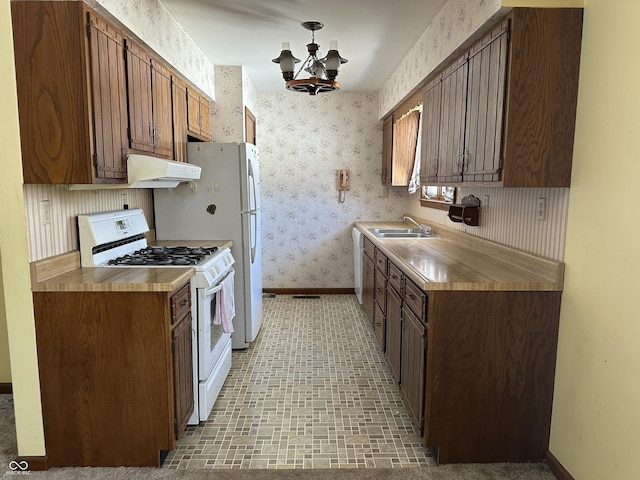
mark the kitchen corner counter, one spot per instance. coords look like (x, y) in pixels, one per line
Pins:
(458, 261)
(63, 273)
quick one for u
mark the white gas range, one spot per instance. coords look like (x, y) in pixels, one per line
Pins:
(117, 239)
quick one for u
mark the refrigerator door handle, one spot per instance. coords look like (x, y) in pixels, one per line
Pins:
(254, 235)
(253, 194)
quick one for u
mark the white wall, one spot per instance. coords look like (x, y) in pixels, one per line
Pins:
(17, 311)
(595, 425)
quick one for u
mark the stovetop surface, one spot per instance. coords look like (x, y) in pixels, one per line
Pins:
(163, 255)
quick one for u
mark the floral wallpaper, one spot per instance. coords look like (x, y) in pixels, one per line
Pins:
(234, 91)
(303, 140)
(452, 26)
(152, 22)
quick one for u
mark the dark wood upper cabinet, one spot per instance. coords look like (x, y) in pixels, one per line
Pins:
(140, 98)
(507, 105)
(89, 93)
(431, 101)
(150, 105)
(198, 121)
(179, 96)
(249, 126)
(485, 106)
(453, 103)
(387, 151)
(162, 109)
(71, 90)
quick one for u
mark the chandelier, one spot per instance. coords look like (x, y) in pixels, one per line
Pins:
(323, 71)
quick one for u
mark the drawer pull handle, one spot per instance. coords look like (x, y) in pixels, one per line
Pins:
(411, 296)
(184, 303)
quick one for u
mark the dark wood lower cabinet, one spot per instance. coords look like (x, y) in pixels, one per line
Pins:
(379, 326)
(490, 373)
(475, 368)
(108, 378)
(412, 365)
(368, 301)
(393, 341)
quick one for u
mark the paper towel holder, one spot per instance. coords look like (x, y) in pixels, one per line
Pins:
(467, 211)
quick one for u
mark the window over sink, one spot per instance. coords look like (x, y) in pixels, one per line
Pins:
(439, 197)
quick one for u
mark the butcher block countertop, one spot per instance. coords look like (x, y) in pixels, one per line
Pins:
(458, 261)
(63, 273)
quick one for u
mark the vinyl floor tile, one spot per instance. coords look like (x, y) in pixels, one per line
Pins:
(313, 391)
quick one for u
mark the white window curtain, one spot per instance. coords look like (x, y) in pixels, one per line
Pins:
(414, 181)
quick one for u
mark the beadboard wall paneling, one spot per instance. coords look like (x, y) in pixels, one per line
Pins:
(509, 218)
(61, 235)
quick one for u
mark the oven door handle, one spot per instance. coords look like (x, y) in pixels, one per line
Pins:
(211, 290)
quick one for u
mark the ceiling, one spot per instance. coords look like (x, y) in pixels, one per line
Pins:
(374, 35)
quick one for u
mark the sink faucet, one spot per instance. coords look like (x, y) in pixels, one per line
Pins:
(424, 229)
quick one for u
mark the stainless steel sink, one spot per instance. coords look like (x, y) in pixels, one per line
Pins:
(399, 233)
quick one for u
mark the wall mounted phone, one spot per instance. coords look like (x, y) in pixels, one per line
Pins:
(343, 183)
(344, 179)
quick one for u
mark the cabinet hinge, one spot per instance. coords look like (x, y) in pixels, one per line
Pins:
(508, 34)
(89, 29)
(175, 426)
(95, 159)
(173, 347)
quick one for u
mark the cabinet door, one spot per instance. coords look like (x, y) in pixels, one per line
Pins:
(431, 101)
(179, 95)
(380, 290)
(413, 365)
(368, 301)
(387, 150)
(393, 342)
(162, 110)
(249, 126)
(140, 98)
(205, 118)
(451, 143)
(182, 373)
(193, 111)
(379, 326)
(110, 118)
(485, 107)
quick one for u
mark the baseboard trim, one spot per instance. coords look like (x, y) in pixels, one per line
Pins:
(35, 464)
(309, 291)
(556, 467)
(6, 388)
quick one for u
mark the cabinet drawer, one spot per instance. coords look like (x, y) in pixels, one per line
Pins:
(381, 261)
(380, 290)
(395, 277)
(181, 303)
(415, 299)
(369, 248)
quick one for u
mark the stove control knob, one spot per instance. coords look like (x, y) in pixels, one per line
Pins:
(211, 209)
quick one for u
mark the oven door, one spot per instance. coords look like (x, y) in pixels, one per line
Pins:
(211, 337)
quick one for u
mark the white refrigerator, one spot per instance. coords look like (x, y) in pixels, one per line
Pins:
(223, 205)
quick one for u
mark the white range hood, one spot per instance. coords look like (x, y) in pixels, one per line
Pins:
(149, 172)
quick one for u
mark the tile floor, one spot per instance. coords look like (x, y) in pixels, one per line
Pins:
(313, 391)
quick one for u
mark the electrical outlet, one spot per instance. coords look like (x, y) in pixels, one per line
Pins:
(485, 201)
(45, 212)
(124, 199)
(541, 208)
